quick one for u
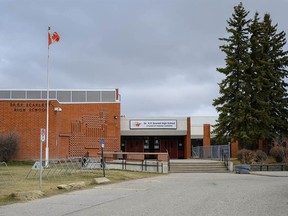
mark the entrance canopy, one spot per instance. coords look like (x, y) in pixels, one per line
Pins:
(153, 126)
(170, 135)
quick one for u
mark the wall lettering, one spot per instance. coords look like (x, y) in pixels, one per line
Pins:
(28, 107)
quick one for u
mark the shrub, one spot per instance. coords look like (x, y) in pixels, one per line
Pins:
(8, 146)
(246, 156)
(260, 156)
(279, 153)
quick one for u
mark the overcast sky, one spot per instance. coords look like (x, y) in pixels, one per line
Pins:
(162, 55)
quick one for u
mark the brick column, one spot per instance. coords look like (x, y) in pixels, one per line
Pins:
(234, 148)
(206, 135)
(260, 144)
(206, 141)
(187, 147)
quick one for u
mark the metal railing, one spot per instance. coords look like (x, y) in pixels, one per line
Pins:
(65, 167)
(136, 165)
(138, 161)
(269, 167)
(168, 161)
(226, 160)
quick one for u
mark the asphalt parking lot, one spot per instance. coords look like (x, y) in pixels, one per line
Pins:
(172, 194)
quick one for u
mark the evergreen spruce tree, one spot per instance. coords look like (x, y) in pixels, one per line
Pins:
(232, 102)
(253, 102)
(260, 82)
(275, 62)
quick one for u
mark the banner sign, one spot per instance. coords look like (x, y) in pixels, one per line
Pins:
(153, 124)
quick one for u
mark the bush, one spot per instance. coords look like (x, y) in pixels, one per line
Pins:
(260, 156)
(8, 147)
(279, 153)
(246, 156)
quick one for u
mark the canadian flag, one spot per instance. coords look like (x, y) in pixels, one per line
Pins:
(52, 38)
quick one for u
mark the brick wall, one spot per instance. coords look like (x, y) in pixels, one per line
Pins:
(187, 140)
(77, 129)
(206, 135)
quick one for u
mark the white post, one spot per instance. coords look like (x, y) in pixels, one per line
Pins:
(47, 112)
(42, 139)
(40, 169)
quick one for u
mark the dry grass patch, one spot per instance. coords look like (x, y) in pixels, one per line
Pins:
(19, 183)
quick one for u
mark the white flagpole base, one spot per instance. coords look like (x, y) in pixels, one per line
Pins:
(47, 157)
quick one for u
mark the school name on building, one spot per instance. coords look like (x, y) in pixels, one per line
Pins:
(153, 124)
(28, 107)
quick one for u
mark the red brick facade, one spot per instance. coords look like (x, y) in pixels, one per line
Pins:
(206, 135)
(187, 140)
(77, 129)
(234, 149)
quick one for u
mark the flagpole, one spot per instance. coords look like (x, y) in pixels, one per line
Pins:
(47, 107)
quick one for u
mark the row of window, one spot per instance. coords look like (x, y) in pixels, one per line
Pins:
(61, 95)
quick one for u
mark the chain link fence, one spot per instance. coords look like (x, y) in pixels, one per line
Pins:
(216, 152)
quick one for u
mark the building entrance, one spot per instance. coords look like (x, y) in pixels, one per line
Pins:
(173, 145)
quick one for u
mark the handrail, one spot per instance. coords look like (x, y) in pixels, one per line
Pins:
(168, 160)
(226, 159)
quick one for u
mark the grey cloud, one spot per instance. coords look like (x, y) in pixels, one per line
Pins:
(161, 54)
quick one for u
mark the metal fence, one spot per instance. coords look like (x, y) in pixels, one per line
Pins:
(6, 175)
(88, 165)
(141, 166)
(217, 152)
(66, 167)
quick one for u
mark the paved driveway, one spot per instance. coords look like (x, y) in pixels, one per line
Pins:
(172, 194)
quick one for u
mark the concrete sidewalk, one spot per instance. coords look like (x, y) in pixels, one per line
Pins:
(270, 173)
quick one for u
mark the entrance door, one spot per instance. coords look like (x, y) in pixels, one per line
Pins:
(151, 144)
(171, 146)
(134, 146)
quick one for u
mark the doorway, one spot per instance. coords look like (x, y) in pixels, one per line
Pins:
(171, 146)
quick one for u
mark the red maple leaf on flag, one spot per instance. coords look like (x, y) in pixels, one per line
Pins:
(54, 38)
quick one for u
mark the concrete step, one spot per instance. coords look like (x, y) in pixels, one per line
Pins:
(198, 164)
(197, 167)
(200, 171)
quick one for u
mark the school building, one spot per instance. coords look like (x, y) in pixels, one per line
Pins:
(80, 120)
